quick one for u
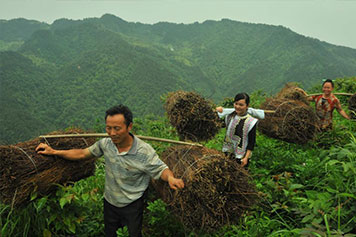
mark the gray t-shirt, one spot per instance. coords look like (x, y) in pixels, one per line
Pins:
(127, 174)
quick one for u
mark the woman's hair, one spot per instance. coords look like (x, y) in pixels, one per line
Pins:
(241, 96)
(328, 80)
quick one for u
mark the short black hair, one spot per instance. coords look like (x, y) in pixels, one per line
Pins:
(120, 109)
(241, 96)
(328, 80)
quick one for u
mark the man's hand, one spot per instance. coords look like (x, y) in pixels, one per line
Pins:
(168, 176)
(72, 154)
(301, 91)
(45, 149)
(175, 183)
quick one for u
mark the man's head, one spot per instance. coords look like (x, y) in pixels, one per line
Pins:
(120, 109)
(328, 86)
(328, 81)
(118, 121)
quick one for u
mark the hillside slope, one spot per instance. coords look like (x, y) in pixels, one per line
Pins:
(68, 73)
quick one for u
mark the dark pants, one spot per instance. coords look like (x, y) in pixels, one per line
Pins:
(117, 217)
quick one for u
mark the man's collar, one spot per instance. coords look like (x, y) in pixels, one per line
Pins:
(133, 149)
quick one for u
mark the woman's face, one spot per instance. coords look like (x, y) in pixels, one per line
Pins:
(327, 88)
(240, 107)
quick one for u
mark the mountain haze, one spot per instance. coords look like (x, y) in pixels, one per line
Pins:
(68, 73)
(250, 56)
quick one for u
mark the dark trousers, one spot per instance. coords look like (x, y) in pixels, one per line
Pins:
(117, 217)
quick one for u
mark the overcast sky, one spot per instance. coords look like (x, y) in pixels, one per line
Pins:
(333, 21)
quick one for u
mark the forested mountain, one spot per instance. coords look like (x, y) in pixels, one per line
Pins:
(249, 56)
(19, 29)
(25, 98)
(69, 72)
(14, 32)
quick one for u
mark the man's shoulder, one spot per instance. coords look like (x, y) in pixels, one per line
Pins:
(104, 141)
(317, 97)
(99, 147)
(143, 152)
(143, 147)
(335, 102)
(335, 99)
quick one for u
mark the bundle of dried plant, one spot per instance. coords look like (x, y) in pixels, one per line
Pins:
(193, 116)
(23, 171)
(217, 189)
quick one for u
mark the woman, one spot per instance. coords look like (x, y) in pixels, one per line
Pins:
(325, 105)
(240, 135)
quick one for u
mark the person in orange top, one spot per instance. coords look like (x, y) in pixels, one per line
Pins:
(325, 105)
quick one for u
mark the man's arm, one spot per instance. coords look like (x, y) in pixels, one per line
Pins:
(167, 175)
(342, 112)
(73, 154)
(309, 98)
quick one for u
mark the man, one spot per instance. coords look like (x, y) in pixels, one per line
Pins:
(130, 163)
(325, 105)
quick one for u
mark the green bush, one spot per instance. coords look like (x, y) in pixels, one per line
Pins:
(305, 190)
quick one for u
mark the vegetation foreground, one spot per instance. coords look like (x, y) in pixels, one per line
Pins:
(307, 190)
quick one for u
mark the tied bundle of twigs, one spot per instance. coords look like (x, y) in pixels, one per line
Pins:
(23, 171)
(352, 106)
(193, 117)
(291, 91)
(292, 121)
(217, 189)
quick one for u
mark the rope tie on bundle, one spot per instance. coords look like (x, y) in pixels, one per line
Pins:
(29, 157)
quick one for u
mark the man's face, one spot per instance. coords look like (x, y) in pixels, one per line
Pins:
(117, 129)
(327, 88)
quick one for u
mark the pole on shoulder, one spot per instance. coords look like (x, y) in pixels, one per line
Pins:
(106, 135)
(336, 93)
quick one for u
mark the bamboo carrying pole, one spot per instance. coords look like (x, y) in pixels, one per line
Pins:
(340, 93)
(106, 135)
(268, 111)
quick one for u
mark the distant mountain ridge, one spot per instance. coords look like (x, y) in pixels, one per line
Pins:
(70, 72)
(249, 55)
(19, 29)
